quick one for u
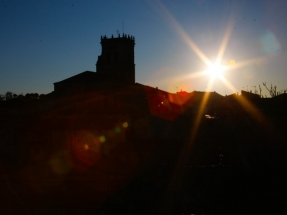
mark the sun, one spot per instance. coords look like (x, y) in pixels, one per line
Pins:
(215, 71)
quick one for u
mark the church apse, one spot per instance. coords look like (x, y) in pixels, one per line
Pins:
(116, 61)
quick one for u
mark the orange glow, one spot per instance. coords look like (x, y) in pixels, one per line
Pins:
(86, 146)
(125, 124)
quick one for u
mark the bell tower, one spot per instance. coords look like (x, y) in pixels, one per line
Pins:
(116, 62)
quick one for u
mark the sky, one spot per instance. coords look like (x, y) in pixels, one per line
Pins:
(43, 42)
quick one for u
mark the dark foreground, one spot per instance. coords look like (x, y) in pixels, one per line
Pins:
(232, 162)
(199, 190)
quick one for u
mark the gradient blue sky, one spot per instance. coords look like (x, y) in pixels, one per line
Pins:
(42, 42)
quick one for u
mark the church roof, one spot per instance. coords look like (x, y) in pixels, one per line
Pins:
(83, 77)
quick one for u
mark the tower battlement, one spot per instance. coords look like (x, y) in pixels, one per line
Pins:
(124, 36)
(116, 61)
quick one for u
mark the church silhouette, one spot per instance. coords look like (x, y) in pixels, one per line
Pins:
(115, 65)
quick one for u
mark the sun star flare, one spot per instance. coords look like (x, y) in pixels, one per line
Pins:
(215, 71)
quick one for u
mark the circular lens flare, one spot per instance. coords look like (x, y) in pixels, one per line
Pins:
(125, 124)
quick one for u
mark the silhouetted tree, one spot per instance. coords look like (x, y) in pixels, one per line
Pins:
(2, 97)
(35, 96)
(273, 91)
(28, 96)
(260, 90)
(8, 95)
(15, 95)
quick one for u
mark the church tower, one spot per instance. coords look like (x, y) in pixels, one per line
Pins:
(116, 62)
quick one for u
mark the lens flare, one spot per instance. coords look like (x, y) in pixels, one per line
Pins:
(232, 62)
(59, 164)
(86, 146)
(125, 124)
(102, 139)
(214, 70)
(117, 130)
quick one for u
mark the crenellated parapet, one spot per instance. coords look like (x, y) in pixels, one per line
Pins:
(117, 62)
(119, 36)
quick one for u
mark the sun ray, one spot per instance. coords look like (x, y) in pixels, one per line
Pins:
(184, 79)
(224, 43)
(184, 35)
(201, 109)
(245, 63)
(201, 55)
(193, 75)
(227, 84)
(252, 110)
